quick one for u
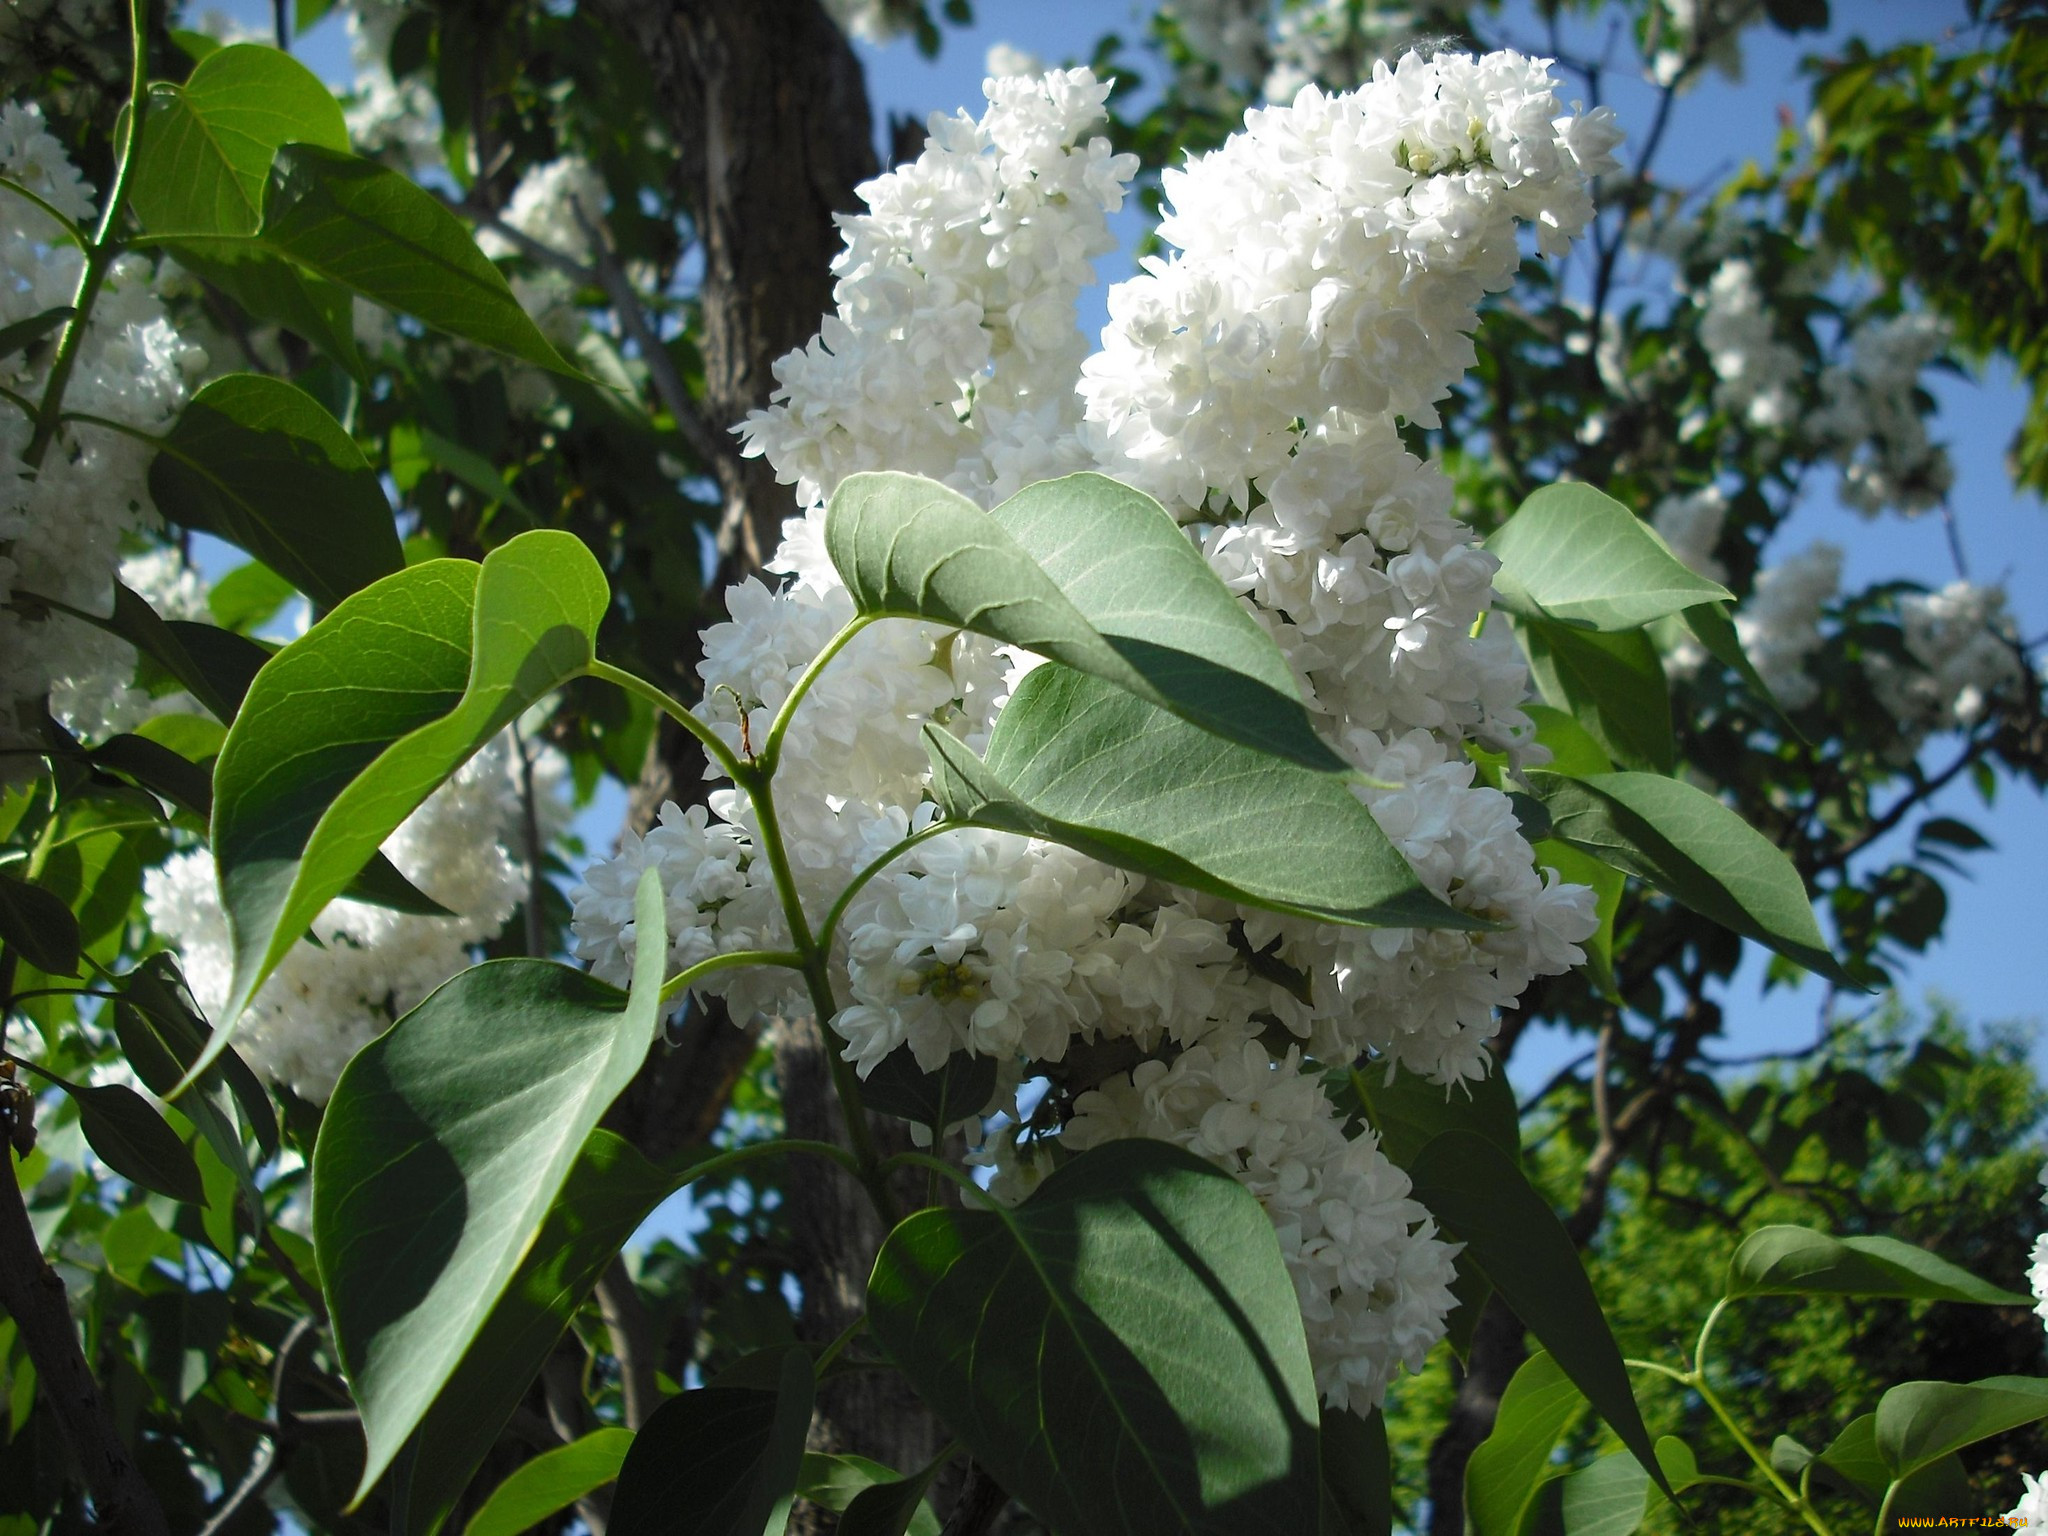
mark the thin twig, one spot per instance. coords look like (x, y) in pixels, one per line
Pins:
(631, 1327)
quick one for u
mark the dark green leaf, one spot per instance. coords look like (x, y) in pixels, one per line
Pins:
(443, 1149)
(159, 770)
(1539, 1405)
(1079, 761)
(1795, 1261)
(207, 145)
(550, 1482)
(1511, 1235)
(39, 926)
(720, 1461)
(1712, 626)
(1358, 1478)
(1576, 556)
(610, 1191)
(1123, 1351)
(271, 288)
(258, 462)
(160, 1021)
(898, 1086)
(1612, 684)
(1919, 1422)
(1411, 1111)
(1697, 851)
(350, 728)
(133, 1139)
(23, 334)
(894, 1507)
(371, 230)
(1087, 572)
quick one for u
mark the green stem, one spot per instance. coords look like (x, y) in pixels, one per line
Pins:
(771, 750)
(1884, 1510)
(847, 1335)
(829, 929)
(160, 443)
(21, 403)
(754, 778)
(71, 230)
(673, 708)
(104, 248)
(939, 1166)
(1762, 1462)
(1699, 1349)
(689, 976)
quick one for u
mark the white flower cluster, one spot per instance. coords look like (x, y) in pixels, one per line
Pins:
(1335, 252)
(465, 848)
(1872, 419)
(389, 119)
(553, 203)
(1759, 372)
(1966, 651)
(63, 528)
(1273, 48)
(1701, 35)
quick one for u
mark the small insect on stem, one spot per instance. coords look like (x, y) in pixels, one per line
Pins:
(746, 732)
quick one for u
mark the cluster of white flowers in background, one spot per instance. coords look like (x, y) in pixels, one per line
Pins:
(65, 526)
(554, 203)
(394, 120)
(1331, 262)
(1872, 421)
(1965, 653)
(1759, 372)
(1699, 35)
(465, 848)
(1272, 48)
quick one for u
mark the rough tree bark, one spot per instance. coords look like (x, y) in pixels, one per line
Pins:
(768, 107)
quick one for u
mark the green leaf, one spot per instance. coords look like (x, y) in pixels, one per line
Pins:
(1515, 1240)
(1503, 1473)
(1919, 1422)
(1612, 684)
(271, 288)
(1123, 1351)
(1087, 572)
(258, 462)
(348, 729)
(473, 470)
(1079, 761)
(1607, 884)
(1411, 1111)
(551, 1481)
(1579, 557)
(23, 334)
(163, 1034)
(1358, 1478)
(1572, 747)
(1697, 851)
(371, 230)
(895, 1506)
(610, 1191)
(132, 1242)
(1714, 628)
(248, 597)
(834, 1482)
(1607, 1498)
(207, 145)
(1796, 1261)
(443, 1149)
(898, 1086)
(132, 1139)
(720, 1461)
(39, 926)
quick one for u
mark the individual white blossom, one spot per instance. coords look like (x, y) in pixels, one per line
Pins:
(2031, 1513)
(464, 847)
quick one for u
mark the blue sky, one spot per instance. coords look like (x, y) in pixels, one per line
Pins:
(1994, 915)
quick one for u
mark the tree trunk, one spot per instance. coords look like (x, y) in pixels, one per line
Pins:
(1498, 1350)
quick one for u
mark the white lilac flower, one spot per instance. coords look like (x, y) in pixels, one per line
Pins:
(1871, 417)
(465, 848)
(1779, 625)
(2031, 1513)
(1758, 373)
(1336, 251)
(552, 204)
(1965, 656)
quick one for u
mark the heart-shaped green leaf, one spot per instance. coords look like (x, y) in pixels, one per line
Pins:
(260, 463)
(1577, 556)
(1123, 1351)
(1796, 1261)
(207, 145)
(1080, 761)
(611, 1189)
(373, 231)
(720, 1461)
(442, 1151)
(1919, 1422)
(1515, 1240)
(348, 729)
(550, 1482)
(1083, 570)
(1695, 850)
